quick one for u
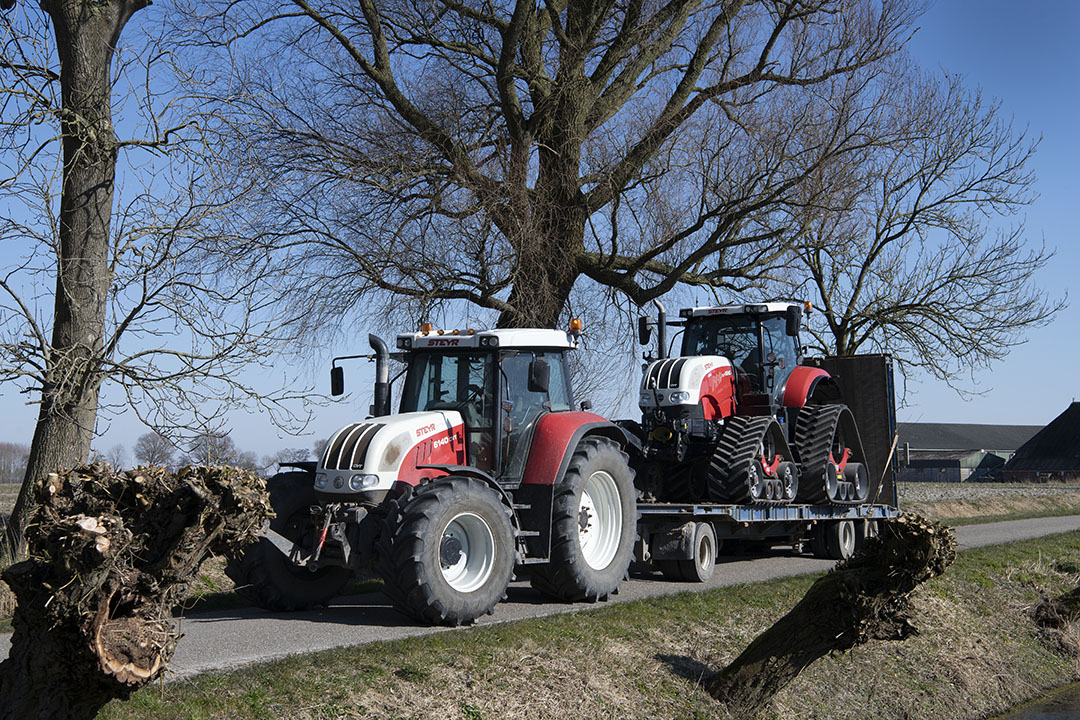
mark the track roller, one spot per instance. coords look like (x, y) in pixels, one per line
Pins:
(831, 458)
(752, 463)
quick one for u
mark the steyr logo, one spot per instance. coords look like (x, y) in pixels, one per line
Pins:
(426, 430)
(443, 342)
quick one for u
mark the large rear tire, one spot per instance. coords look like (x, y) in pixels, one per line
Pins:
(446, 553)
(594, 523)
(267, 578)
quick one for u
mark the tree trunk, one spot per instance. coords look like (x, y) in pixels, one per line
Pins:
(548, 249)
(864, 598)
(111, 555)
(86, 35)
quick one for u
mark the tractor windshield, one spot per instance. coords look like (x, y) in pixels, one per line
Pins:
(738, 338)
(759, 347)
(457, 381)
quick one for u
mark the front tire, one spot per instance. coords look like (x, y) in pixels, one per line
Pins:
(594, 523)
(447, 552)
(265, 576)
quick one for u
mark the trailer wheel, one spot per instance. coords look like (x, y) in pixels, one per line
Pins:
(593, 526)
(701, 567)
(446, 553)
(840, 539)
(264, 576)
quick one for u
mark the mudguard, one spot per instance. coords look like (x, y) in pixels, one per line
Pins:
(801, 384)
(556, 438)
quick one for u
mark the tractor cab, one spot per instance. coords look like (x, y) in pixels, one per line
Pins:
(500, 381)
(761, 341)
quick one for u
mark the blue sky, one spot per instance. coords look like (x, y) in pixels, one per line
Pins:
(1022, 54)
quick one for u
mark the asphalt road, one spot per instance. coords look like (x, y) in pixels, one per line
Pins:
(232, 638)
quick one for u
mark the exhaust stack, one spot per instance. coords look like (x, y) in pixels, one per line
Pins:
(381, 406)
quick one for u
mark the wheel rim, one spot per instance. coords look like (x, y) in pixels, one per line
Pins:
(599, 520)
(847, 538)
(705, 557)
(467, 552)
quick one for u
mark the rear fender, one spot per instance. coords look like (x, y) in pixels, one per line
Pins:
(803, 383)
(554, 442)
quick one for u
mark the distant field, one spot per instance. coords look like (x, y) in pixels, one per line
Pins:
(8, 493)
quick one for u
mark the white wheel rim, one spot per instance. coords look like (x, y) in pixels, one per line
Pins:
(477, 558)
(599, 520)
(705, 553)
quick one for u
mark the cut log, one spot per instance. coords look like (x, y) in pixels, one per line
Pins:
(866, 597)
(110, 555)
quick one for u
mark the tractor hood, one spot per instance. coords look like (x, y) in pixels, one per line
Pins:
(363, 461)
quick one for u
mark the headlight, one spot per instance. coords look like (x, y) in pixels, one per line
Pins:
(363, 482)
(681, 396)
(320, 480)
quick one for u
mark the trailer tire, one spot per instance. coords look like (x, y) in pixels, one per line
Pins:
(702, 565)
(446, 552)
(264, 576)
(840, 539)
(593, 525)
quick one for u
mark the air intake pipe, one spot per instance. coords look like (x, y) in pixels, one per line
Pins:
(661, 330)
(381, 406)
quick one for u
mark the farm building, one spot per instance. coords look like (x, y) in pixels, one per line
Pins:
(956, 452)
(1052, 454)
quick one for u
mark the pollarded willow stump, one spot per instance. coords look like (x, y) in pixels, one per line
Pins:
(866, 597)
(110, 555)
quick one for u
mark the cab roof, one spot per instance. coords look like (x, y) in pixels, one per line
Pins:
(508, 338)
(747, 309)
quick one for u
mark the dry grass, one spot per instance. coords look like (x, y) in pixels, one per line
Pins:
(979, 652)
(989, 509)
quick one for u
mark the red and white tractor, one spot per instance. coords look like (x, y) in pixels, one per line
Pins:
(737, 418)
(487, 467)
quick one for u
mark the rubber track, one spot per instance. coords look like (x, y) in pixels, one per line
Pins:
(814, 431)
(399, 563)
(729, 470)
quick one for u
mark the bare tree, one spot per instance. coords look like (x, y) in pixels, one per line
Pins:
(500, 156)
(902, 252)
(116, 456)
(154, 449)
(139, 302)
(13, 461)
(216, 449)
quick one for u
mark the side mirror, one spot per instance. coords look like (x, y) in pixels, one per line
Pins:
(539, 375)
(644, 332)
(793, 318)
(337, 380)
(586, 405)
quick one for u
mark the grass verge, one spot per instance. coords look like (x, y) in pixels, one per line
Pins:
(995, 509)
(979, 652)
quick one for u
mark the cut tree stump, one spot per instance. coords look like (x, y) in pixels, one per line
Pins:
(863, 598)
(110, 555)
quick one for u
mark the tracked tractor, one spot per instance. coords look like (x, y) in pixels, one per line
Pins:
(486, 469)
(737, 418)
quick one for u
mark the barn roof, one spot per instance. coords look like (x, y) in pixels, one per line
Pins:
(964, 436)
(1055, 448)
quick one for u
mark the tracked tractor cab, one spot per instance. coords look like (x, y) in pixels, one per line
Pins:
(761, 342)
